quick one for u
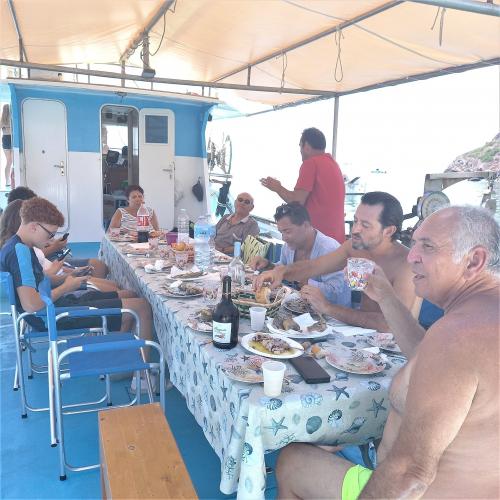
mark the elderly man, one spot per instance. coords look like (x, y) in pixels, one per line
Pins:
(237, 226)
(441, 439)
(320, 186)
(302, 243)
(377, 222)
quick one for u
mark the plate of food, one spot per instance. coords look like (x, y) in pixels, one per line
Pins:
(384, 341)
(184, 290)
(248, 371)
(297, 305)
(186, 274)
(222, 259)
(286, 325)
(201, 321)
(355, 361)
(271, 345)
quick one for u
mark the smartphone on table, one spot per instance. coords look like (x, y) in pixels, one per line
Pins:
(311, 371)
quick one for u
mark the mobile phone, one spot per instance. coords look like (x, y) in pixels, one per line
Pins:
(64, 236)
(64, 253)
(311, 371)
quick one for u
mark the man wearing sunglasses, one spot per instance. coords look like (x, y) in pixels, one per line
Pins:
(320, 186)
(237, 226)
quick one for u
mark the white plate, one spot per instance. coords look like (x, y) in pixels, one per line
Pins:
(199, 326)
(292, 334)
(372, 340)
(297, 348)
(349, 330)
(194, 278)
(245, 371)
(340, 358)
(171, 293)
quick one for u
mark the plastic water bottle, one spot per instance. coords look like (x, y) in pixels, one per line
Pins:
(201, 243)
(142, 224)
(236, 268)
(183, 226)
(211, 240)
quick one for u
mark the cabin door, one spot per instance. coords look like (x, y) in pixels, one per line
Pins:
(46, 152)
(157, 162)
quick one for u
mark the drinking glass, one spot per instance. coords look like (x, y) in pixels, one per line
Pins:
(357, 268)
(181, 259)
(211, 292)
(273, 372)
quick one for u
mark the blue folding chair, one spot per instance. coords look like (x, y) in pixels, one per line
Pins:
(26, 340)
(93, 356)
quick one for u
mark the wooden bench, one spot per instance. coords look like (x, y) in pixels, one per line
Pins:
(139, 455)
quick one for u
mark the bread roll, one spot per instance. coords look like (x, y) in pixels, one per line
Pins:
(262, 296)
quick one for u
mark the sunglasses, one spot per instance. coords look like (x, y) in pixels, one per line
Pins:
(49, 233)
(245, 201)
(283, 210)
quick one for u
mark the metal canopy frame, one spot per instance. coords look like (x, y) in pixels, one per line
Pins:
(480, 7)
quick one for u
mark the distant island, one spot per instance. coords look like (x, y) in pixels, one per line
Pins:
(483, 159)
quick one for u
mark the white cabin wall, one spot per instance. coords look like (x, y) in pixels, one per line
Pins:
(85, 196)
(187, 171)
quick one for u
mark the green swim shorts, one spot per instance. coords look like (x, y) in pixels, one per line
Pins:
(355, 480)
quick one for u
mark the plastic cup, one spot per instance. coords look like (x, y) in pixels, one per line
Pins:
(181, 259)
(257, 317)
(273, 372)
(153, 243)
(211, 292)
(114, 232)
(356, 270)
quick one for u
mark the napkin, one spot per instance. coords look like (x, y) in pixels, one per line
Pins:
(304, 320)
(176, 271)
(349, 330)
(139, 246)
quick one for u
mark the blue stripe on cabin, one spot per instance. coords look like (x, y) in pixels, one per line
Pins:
(83, 108)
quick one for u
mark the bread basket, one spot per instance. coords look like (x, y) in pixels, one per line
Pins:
(244, 300)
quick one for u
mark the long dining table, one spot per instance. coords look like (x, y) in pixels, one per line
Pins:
(239, 421)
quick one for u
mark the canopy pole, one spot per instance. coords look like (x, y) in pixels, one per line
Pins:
(336, 103)
(143, 32)
(484, 8)
(22, 51)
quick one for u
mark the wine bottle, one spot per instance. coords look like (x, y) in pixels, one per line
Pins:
(225, 319)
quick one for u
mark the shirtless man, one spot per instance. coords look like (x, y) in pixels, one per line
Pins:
(441, 439)
(377, 221)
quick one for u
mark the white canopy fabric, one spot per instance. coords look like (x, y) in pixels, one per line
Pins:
(207, 39)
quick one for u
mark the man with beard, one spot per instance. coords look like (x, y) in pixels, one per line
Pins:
(377, 222)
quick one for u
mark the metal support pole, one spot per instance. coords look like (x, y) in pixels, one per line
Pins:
(249, 74)
(123, 73)
(22, 51)
(484, 8)
(336, 103)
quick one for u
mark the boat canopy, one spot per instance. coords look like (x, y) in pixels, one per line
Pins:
(270, 51)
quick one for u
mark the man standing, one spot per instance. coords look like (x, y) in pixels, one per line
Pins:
(237, 226)
(320, 186)
(441, 439)
(302, 243)
(377, 222)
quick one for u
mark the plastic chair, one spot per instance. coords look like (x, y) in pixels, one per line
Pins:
(26, 340)
(93, 356)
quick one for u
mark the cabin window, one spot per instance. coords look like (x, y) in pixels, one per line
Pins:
(156, 129)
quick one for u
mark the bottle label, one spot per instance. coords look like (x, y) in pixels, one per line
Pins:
(142, 221)
(221, 332)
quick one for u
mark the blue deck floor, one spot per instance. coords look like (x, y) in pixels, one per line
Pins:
(29, 466)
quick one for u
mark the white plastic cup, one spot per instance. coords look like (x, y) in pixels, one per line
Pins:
(257, 317)
(153, 243)
(273, 372)
(356, 270)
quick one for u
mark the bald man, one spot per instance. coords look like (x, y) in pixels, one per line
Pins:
(237, 226)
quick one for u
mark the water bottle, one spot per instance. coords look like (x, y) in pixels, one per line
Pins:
(236, 268)
(142, 224)
(183, 226)
(201, 243)
(211, 240)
